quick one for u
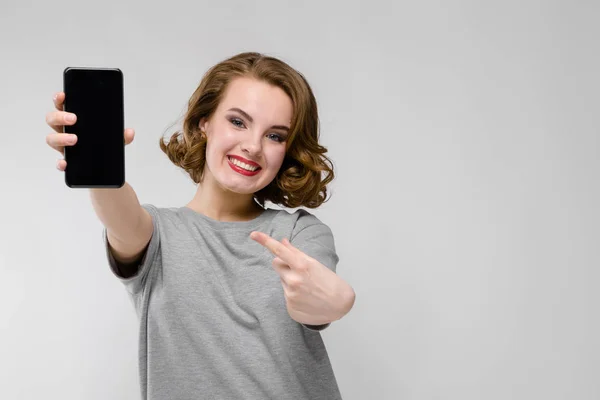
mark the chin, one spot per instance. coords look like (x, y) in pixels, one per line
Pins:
(238, 188)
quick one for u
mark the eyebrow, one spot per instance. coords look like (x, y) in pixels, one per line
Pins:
(249, 118)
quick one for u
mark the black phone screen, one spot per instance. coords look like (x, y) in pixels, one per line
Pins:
(95, 96)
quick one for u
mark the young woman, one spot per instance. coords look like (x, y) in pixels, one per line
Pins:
(231, 295)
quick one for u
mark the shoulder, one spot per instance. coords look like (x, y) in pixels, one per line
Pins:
(308, 225)
(165, 217)
(164, 212)
(312, 236)
(302, 220)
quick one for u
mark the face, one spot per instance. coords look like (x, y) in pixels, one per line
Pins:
(250, 124)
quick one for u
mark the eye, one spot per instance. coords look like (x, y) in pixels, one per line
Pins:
(279, 138)
(237, 122)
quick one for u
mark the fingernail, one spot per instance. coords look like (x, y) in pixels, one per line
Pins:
(55, 97)
(70, 118)
(72, 139)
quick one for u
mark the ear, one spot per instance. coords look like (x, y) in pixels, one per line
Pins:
(203, 124)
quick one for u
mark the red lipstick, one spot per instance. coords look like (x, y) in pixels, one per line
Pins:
(242, 170)
(242, 159)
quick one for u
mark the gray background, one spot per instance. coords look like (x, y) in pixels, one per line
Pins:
(465, 209)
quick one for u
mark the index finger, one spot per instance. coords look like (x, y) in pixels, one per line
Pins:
(274, 246)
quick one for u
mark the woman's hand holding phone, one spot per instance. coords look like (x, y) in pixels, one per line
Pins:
(59, 140)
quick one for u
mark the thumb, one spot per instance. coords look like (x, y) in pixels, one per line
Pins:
(129, 134)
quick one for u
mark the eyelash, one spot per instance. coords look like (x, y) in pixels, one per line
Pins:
(234, 120)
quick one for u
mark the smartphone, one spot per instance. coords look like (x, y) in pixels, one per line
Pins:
(95, 96)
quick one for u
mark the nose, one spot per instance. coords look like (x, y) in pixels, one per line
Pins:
(252, 146)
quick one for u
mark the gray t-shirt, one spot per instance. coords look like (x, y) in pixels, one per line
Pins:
(212, 312)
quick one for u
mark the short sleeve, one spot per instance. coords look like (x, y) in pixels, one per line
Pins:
(315, 239)
(136, 283)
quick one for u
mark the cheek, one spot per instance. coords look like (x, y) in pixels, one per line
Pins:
(276, 158)
(221, 142)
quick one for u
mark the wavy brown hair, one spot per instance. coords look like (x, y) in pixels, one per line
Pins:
(299, 181)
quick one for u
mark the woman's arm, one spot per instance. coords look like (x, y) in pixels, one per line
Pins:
(128, 225)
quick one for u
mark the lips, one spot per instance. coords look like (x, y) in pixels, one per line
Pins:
(242, 170)
(245, 161)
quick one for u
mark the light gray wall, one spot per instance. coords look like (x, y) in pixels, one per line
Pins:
(465, 209)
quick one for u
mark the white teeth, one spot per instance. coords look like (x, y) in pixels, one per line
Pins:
(242, 165)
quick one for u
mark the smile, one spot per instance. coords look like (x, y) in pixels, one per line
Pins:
(243, 168)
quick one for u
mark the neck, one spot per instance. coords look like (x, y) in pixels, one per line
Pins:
(223, 205)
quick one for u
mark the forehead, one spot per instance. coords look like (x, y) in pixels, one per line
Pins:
(257, 98)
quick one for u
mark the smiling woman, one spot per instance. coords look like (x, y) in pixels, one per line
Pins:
(231, 295)
(263, 97)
